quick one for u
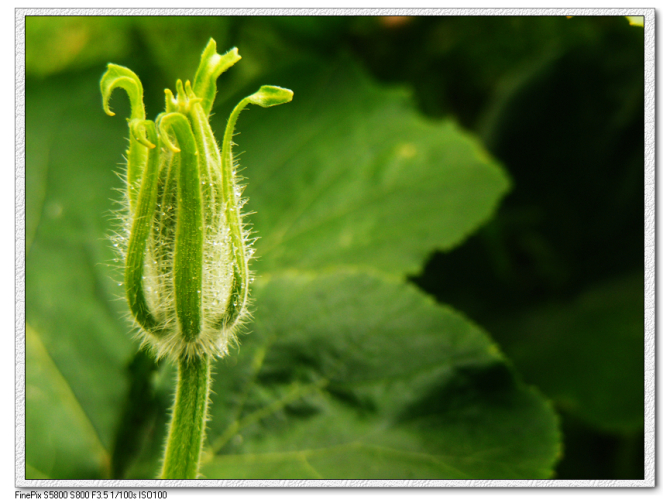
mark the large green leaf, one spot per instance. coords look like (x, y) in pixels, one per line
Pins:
(348, 375)
(351, 174)
(61, 441)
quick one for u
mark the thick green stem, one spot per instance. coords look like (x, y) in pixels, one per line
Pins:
(187, 427)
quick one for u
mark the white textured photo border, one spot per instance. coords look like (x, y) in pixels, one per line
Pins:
(649, 253)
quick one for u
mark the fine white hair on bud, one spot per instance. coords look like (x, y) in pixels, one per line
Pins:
(183, 242)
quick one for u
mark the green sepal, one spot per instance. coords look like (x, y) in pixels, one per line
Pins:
(170, 102)
(270, 96)
(126, 79)
(266, 96)
(184, 101)
(211, 66)
(120, 77)
(189, 237)
(162, 238)
(210, 160)
(145, 133)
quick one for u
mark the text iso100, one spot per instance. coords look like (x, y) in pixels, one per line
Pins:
(156, 495)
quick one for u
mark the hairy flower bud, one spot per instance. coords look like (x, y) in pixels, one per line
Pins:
(185, 246)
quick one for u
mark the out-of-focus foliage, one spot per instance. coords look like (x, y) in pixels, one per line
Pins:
(353, 190)
(67, 43)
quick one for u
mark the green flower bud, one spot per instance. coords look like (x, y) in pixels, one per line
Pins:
(184, 244)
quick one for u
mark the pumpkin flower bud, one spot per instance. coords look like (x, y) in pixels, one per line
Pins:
(185, 246)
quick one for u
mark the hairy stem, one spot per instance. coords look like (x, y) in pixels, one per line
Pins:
(187, 427)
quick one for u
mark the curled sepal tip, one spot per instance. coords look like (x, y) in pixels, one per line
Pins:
(144, 132)
(119, 76)
(163, 131)
(212, 65)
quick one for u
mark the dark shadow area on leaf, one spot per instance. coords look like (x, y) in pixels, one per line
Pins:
(467, 389)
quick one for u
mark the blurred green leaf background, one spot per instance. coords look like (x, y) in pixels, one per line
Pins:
(450, 263)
